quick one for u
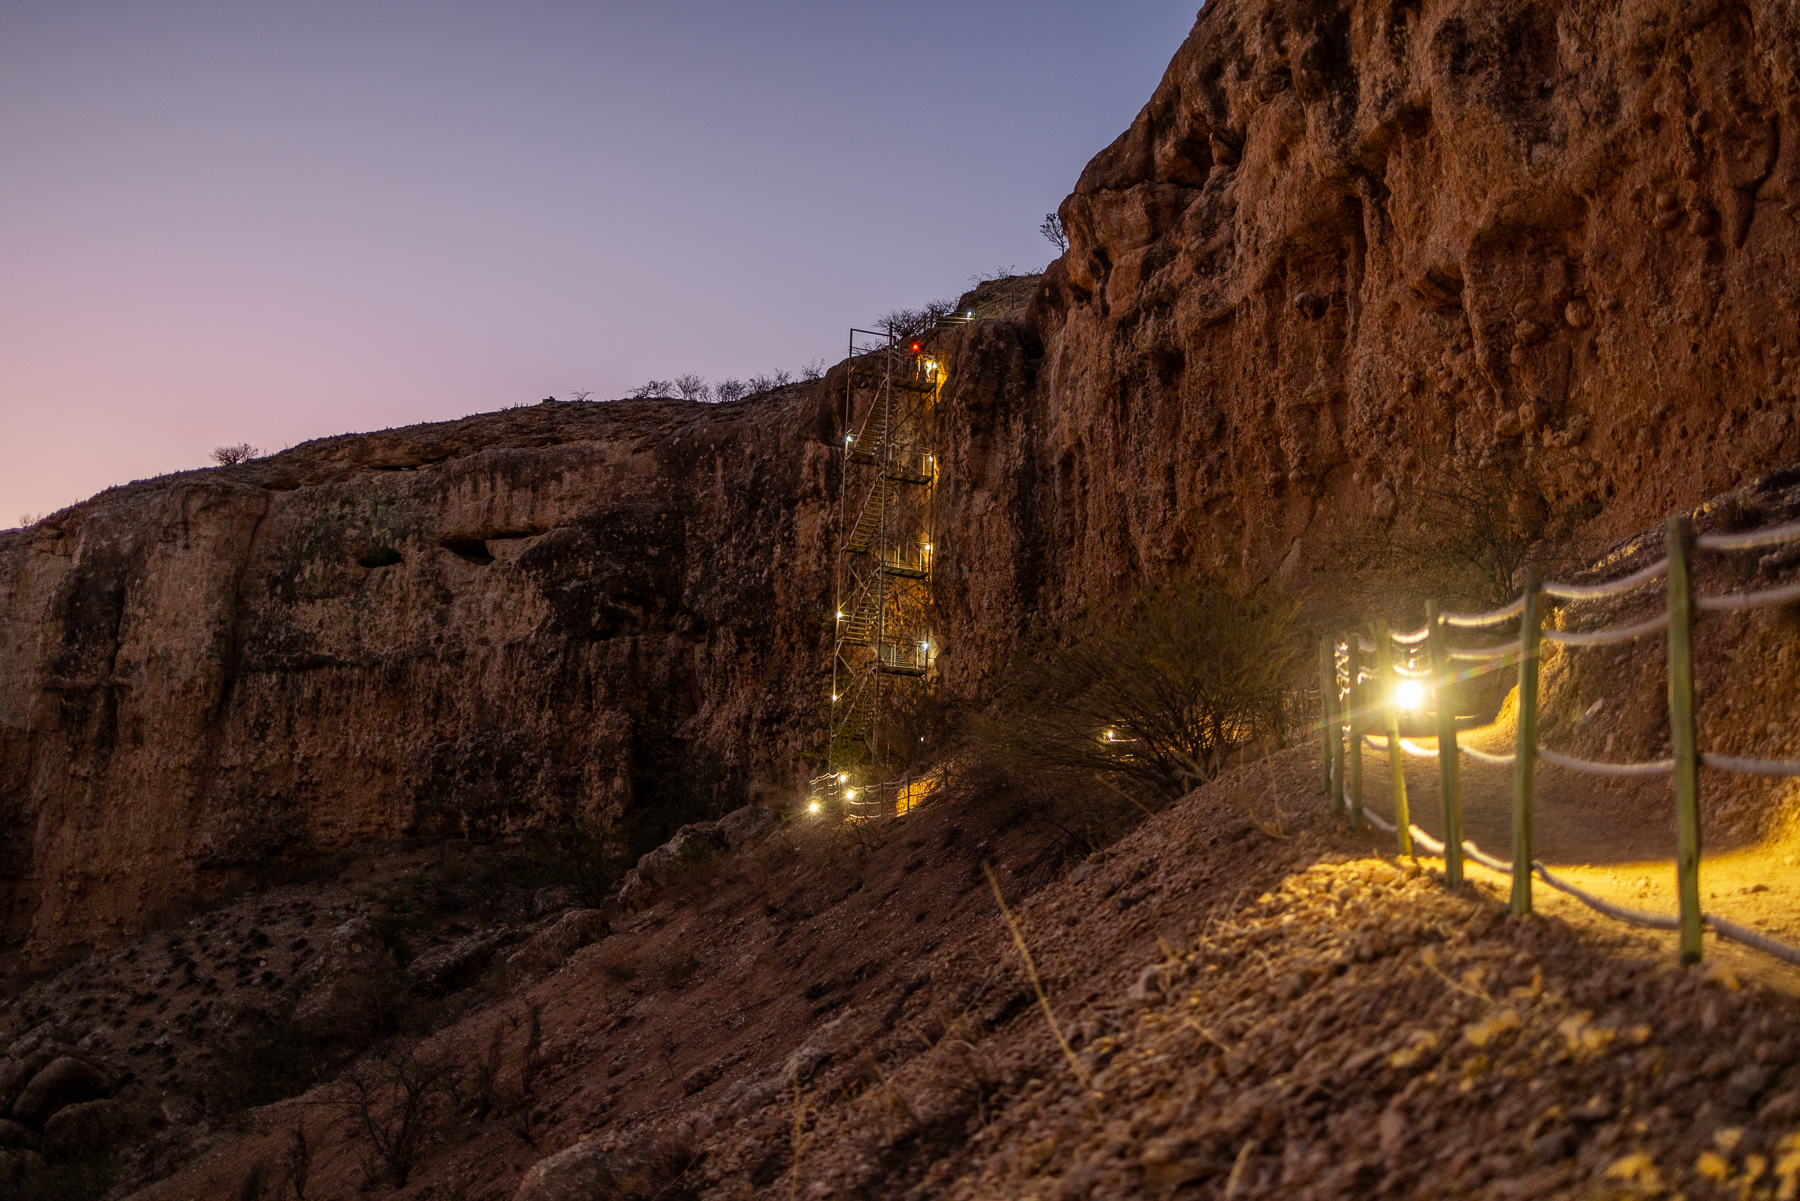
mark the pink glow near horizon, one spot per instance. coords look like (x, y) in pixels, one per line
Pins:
(269, 223)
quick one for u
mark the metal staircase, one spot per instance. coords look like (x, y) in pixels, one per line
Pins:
(883, 651)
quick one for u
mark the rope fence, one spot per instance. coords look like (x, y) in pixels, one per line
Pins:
(1361, 683)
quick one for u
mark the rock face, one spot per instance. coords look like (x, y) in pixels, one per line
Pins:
(450, 628)
(1342, 245)
(1347, 241)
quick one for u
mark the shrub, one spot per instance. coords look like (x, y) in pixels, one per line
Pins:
(907, 323)
(226, 456)
(395, 1096)
(1157, 704)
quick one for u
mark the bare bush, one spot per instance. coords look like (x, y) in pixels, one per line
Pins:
(908, 323)
(812, 371)
(395, 1097)
(758, 384)
(241, 452)
(580, 396)
(690, 387)
(1156, 705)
(295, 1165)
(655, 389)
(729, 389)
(1054, 233)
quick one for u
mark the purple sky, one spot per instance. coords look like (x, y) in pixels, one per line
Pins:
(242, 221)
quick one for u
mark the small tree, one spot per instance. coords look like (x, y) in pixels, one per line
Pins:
(395, 1096)
(1054, 233)
(730, 389)
(228, 456)
(690, 387)
(1156, 705)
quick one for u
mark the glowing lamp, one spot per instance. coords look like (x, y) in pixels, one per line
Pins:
(813, 808)
(915, 347)
(1410, 694)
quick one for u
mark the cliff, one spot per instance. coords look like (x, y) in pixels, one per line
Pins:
(445, 629)
(1343, 245)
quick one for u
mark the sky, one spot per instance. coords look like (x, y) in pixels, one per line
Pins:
(268, 222)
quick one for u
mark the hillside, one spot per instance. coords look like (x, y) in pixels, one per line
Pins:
(1257, 1004)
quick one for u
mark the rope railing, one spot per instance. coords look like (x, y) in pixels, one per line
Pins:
(1357, 703)
(1625, 583)
(1493, 617)
(1754, 540)
(1651, 625)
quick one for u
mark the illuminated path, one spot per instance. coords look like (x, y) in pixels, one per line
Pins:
(1612, 837)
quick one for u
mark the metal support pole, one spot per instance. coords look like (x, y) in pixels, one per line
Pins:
(1353, 732)
(1683, 734)
(1449, 773)
(1390, 709)
(1525, 751)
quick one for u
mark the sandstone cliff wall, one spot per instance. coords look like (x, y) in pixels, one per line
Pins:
(447, 628)
(1343, 243)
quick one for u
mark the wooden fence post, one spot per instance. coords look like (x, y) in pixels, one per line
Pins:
(1449, 775)
(1525, 750)
(1683, 734)
(1327, 710)
(1390, 709)
(1353, 743)
(1337, 734)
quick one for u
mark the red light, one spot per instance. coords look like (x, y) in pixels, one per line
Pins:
(916, 347)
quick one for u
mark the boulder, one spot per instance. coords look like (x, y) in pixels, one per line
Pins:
(14, 1137)
(451, 966)
(83, 1129)
(587, 1170)
(573, 1174)
(691, 842)
(745, 825)
(353, 961)
(64, 1081)
(554, 899)
(17, 1070)
(547, 951)
(15, 1166)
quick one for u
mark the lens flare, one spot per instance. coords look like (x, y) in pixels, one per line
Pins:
(1410, 694)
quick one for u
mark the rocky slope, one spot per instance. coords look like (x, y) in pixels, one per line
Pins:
(1344, 244)
(1255, 1003)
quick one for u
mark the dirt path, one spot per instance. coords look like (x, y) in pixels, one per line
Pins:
(1614, 838)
